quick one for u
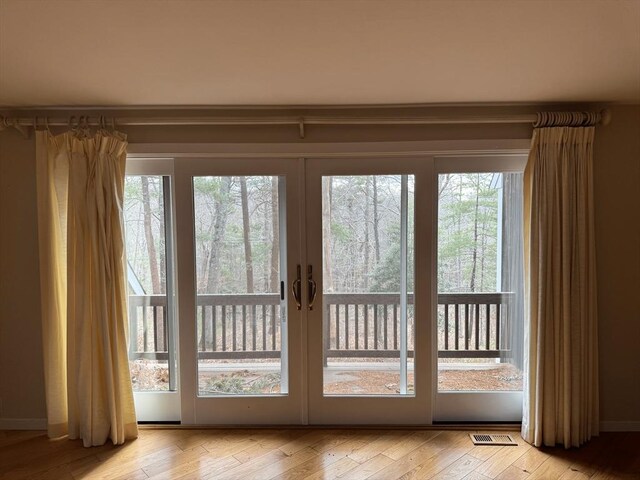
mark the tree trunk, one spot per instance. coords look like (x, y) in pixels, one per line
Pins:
(376, 228)
(246, 233)
(148, 233)
(219, 226)
(474, 261)
(163, 239)
(275, 244)
(326, 232)
(366, 235)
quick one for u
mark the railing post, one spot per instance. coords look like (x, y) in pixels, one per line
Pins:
(133, 330)
(326, 327)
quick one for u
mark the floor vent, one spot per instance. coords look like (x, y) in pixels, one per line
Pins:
(487, 439)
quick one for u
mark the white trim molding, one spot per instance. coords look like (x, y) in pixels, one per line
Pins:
(23, 423)
(329, 150)
(620, 426)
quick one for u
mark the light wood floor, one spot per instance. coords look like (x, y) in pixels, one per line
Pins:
(312, 454)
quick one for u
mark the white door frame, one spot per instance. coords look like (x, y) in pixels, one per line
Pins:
(162, 406)
(372, 409)
(241, 409)
(470, 406)
(224, 154)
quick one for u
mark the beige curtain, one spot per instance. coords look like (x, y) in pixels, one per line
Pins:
(561, 386)
(80, 181)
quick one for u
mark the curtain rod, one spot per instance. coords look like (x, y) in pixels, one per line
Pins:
(24, 123)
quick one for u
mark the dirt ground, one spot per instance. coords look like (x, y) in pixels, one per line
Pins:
(148, 375)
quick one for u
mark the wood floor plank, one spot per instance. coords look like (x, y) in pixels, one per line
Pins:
(267, 466)
(485, 452)
(224, 448)
(571, 474)
(623, 454)
(325, 457)
(415, 458)
(378, 444)
(368, 468)
(409, 443)
(552, 467)
(512, 473)
(530, 460)
(206, 466)
(331, 442)
(587, 458)
(264, 444)
(308, 438)
(243, 470)
(495, 465)
(475, 476)
(452, 452)
(335, 470)
(175, 461)
(41, 462)
(458, 469)
(318, 462)
(314, 454)
(114, 467)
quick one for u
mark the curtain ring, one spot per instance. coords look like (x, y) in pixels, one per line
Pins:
(35, 123)
(113, 124)
(71, 118)
(46, 124)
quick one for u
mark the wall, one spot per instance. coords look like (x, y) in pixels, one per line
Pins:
(617, 197)
(21, 373)
(617, 177)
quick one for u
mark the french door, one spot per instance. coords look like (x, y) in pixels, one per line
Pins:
(241, 353)
(367, 234)
(317, 290)
(302, 348)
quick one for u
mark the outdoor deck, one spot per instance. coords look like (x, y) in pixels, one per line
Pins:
(361, 338)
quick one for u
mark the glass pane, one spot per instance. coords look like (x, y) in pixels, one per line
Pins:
(240, 315)
(480, 282)
(150, 318)
(368, 265)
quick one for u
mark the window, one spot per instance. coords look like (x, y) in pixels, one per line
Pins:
(147, 222)
(480, 282)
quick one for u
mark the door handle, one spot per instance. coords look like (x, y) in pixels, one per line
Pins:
(313, 288)
(295, 289)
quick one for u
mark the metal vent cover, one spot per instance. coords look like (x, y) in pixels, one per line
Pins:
(492, 439)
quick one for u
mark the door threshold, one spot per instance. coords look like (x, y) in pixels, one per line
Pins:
(496, 426)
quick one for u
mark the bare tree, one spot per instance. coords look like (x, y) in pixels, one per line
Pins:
(246, 233)
(148, 233)
(221, 207)
(326, 231)
(474, 255)
(376, 220)
(367, 248)
(275, 242)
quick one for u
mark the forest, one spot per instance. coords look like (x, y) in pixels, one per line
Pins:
(237, 244)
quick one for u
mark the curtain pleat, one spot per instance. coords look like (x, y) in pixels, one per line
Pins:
(561, 369)
(80, 193)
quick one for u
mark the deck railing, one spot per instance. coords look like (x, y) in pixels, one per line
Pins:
(358, 325)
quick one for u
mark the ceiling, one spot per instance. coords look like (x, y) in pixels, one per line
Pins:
(294, 52)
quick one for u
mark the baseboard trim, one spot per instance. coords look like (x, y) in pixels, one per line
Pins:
(41, 424)
(23, 423)
(619, 426)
